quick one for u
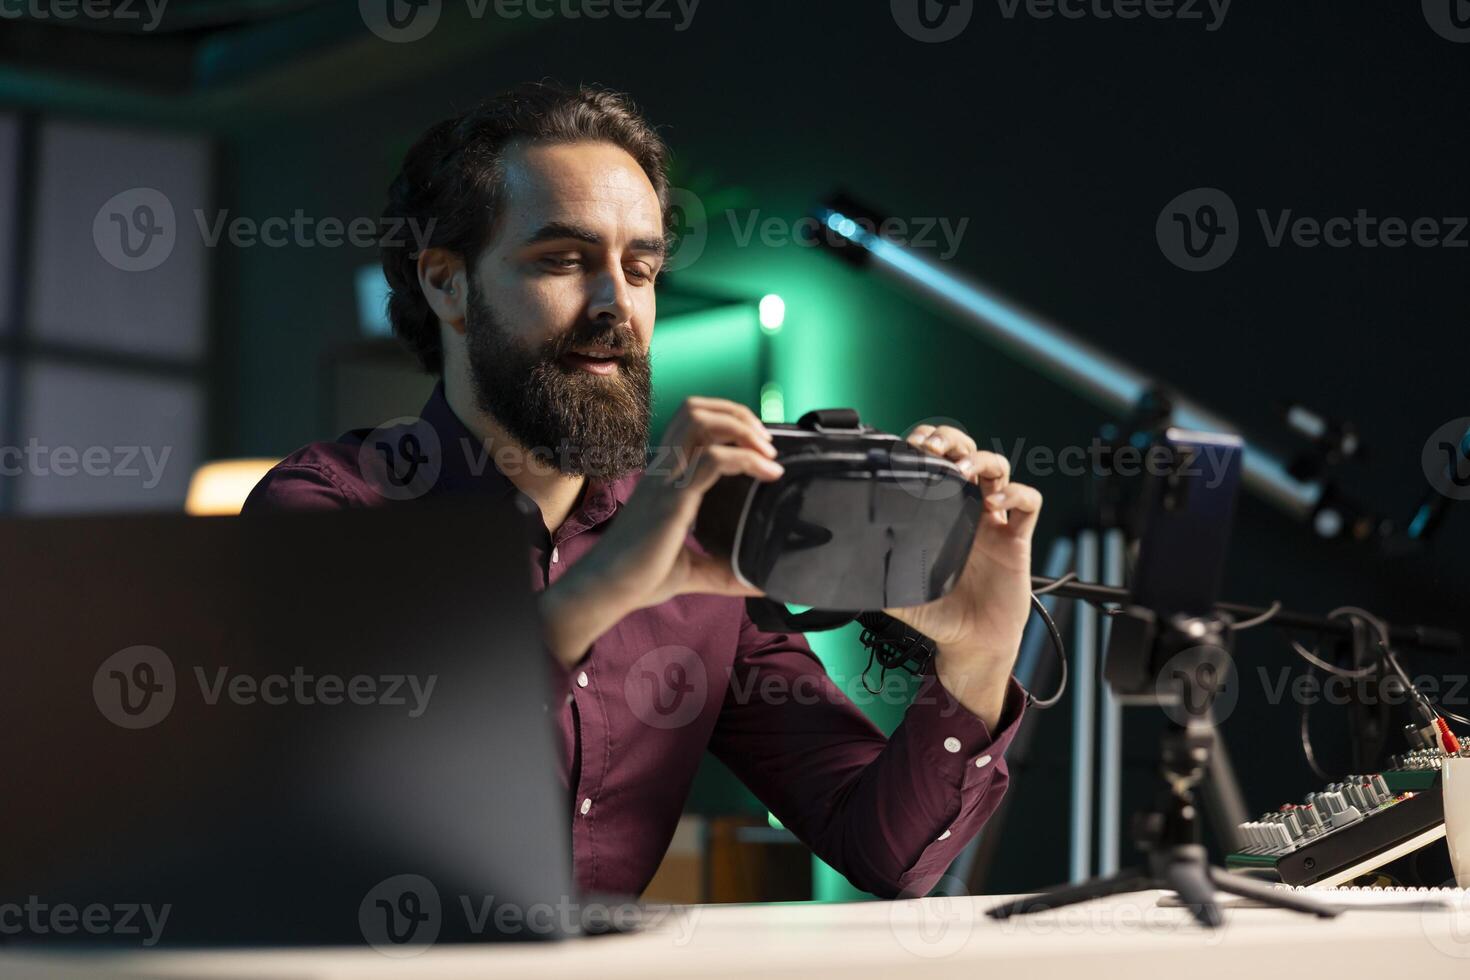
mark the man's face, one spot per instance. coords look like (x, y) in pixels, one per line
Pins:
(561, 306)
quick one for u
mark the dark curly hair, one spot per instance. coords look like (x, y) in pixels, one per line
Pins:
(454, 177)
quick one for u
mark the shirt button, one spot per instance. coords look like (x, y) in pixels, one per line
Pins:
(555, 555)
(582, 679)
(951, 744)
(944, 836)
(586, 805)
(982, 762)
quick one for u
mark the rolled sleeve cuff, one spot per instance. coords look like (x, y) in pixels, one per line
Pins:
(953, 739)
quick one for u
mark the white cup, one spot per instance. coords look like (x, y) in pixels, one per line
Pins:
(1455, 781)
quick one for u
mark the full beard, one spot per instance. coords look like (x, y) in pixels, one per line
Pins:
(580, 423)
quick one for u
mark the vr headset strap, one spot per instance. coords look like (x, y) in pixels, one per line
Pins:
(830, 418)
(894, 644)
(774, 617)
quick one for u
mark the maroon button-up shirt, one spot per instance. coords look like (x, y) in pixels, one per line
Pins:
(691, 674)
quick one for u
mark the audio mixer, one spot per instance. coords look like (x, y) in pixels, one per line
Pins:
(1349, 827)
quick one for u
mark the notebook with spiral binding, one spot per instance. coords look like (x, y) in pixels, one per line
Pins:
(1398, 897)
(1394, 896)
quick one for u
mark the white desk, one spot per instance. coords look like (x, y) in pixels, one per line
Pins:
(1129, 938)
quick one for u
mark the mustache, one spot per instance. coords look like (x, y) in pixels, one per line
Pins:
(586, 334)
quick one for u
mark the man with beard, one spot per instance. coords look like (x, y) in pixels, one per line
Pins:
(533, 300)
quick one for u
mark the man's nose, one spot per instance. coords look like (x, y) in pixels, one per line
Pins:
(610, 300)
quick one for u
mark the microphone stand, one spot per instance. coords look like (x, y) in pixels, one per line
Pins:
(1168, 835)
(1197, 651)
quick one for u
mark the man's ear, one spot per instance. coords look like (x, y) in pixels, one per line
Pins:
(444, 280)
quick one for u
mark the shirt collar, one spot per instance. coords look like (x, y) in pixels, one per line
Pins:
(468, 466)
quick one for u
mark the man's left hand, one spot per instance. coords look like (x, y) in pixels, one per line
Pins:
(978, 625)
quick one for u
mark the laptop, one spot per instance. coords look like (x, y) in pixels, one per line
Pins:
(324, 728)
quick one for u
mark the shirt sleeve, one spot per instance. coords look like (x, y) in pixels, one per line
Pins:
(298, 486)
(889, 814)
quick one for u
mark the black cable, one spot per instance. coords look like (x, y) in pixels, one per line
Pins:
(1433, 704)
(1264, 617)
(1379, 626)
(1058, 646)
(1446, 712)
(1360, 618)
(1359, 655)
(1353, 612)
(1317, 661)
(1419, 637)
(1306, 732)
(872, 651)
(895, 645)
(1356, 616)
(1056, 584)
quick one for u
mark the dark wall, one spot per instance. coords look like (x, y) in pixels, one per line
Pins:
(1060, 141)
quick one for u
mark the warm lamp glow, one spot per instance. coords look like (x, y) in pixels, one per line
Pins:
(220, 488)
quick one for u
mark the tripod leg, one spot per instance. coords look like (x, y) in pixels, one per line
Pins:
(1055, 898)
(1264, 893)
(1192, 883)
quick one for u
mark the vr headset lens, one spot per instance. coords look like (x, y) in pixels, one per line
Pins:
(858, 540)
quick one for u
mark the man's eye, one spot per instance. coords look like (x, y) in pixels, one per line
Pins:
(561, 262)
(639, 275)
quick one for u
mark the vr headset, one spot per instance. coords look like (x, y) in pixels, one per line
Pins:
(860, 520)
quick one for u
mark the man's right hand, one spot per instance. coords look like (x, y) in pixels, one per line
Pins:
(644, 559)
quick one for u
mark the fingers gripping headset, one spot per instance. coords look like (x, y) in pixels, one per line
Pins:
(859, 522)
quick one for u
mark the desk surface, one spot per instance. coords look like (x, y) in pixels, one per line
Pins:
(1120, 937)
